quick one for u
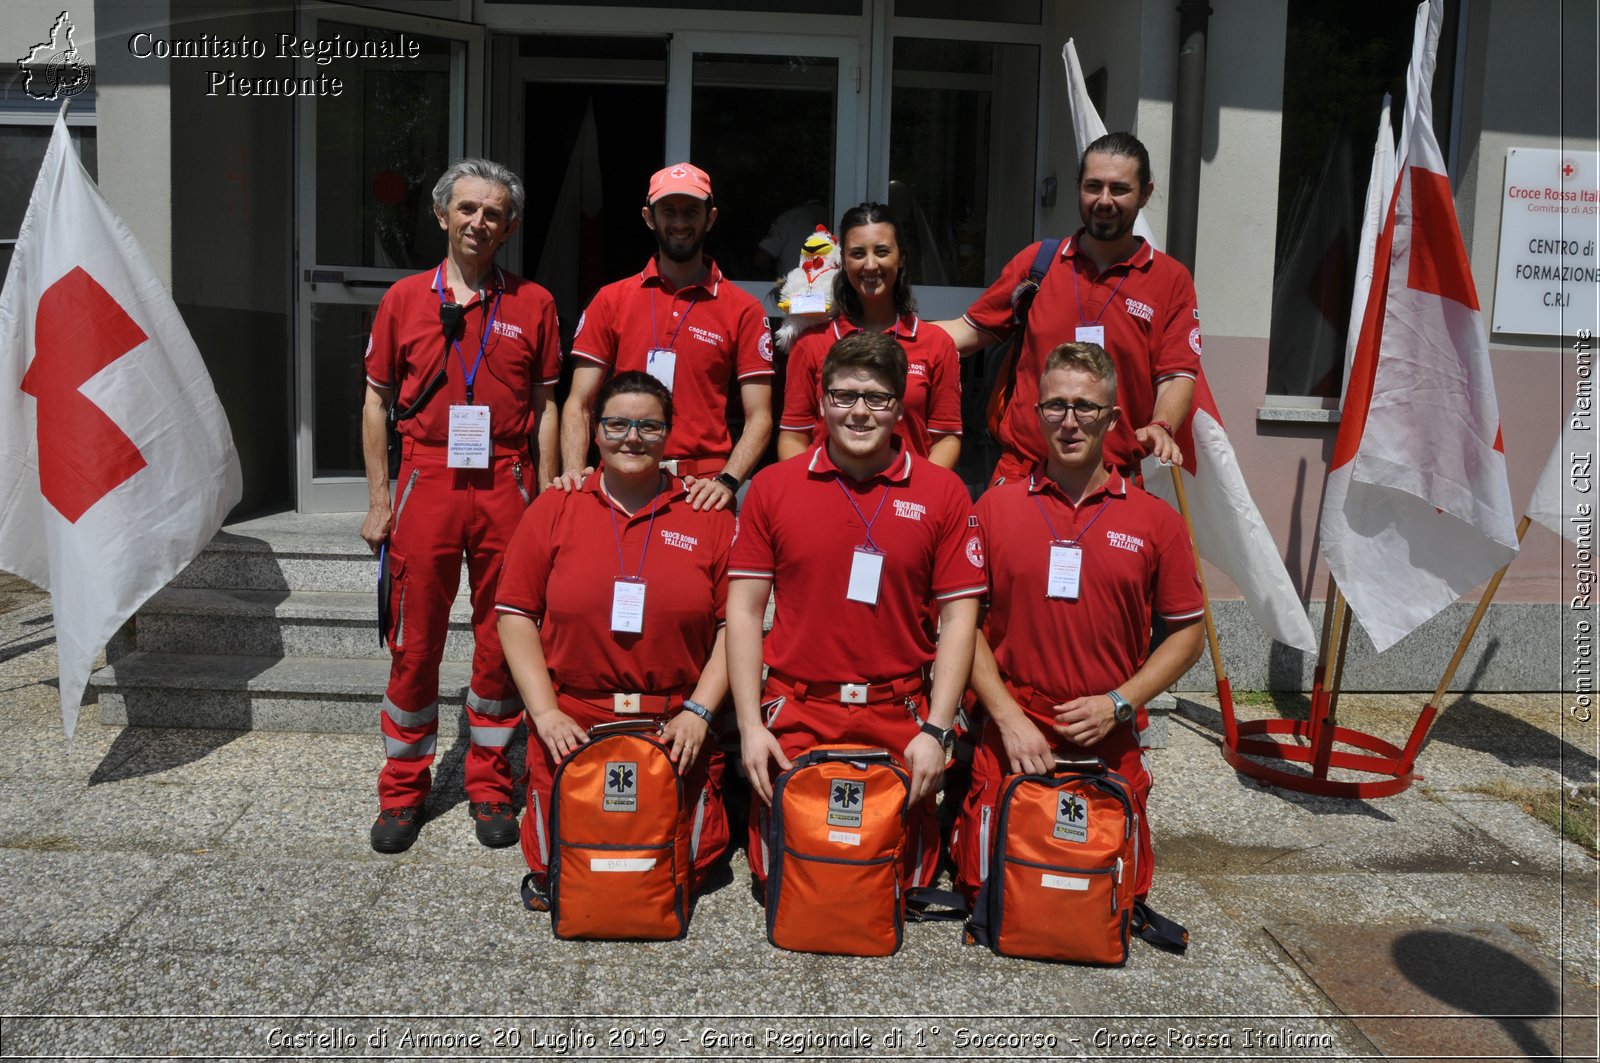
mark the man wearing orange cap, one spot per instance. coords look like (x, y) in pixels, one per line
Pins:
(680, 320)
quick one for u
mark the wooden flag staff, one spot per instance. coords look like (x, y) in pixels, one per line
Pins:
(1230, 729)
(1419, 733)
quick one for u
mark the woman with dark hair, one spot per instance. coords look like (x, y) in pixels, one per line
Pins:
(646, 642)
(873, 294)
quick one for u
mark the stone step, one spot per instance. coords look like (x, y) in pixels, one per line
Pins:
(286, 552)
(238, 692)
(278, 623)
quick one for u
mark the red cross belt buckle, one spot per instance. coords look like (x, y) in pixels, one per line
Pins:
(622, 704)
(853, 693)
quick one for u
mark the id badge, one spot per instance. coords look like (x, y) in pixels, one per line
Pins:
(627, 606)
(808, 303)
(866, 571)
(661, 363)
(469, 443)
(1091, 334)
(1066, 567)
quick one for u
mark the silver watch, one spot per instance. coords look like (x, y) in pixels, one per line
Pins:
(1123, 707)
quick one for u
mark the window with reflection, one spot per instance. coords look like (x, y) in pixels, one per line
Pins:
(962, 143)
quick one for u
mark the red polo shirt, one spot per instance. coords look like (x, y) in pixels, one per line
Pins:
(799, 529)
(933, 382)
(1148, 308)
(523, 350)
(1136, 558)
(563, 561)
(718, 331)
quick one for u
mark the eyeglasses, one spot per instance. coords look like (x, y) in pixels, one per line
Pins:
(846, 399)
(1087, 413)
(617, 428)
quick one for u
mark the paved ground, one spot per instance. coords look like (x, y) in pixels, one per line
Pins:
(211, 894)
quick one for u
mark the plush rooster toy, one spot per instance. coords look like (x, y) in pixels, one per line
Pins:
(806, 294)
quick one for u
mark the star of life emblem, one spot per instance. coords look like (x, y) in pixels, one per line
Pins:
(845, 800)
(1072, 818)
(622, 786)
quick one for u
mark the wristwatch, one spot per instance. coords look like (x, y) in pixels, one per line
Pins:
(691, 705)
(946, 735)
(1123, 707)
(728, 480)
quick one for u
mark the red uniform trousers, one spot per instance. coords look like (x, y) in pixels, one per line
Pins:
(439, 514)
(801, 723)
(702, 790)
(973, 837)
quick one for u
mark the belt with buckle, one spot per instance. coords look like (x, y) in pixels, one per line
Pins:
(626, 702)
(854, 693)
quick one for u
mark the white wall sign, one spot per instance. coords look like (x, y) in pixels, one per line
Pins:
(1549, 268)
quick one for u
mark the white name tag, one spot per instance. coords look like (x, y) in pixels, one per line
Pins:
(809, 303)
(627, 606)
(1091, 334)
(469, 443)
(844, 837)
(1066, 566)
(661, 363)
(617, 863)
(866, 570)
(1064, 882)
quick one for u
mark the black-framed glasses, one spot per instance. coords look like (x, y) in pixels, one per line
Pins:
(1087, 413)
(846, 399)
(650, 429)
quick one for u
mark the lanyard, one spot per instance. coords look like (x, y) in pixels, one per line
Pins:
(869, 523)
(672, 344)
(483, 338)
(1053, 536)
(1079, 296)
(616, 534)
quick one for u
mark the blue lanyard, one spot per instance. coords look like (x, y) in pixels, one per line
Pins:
(1053, 536)
(672, 344)
(869, 523)
(616, 534)
(1076, 294)
(483, 338)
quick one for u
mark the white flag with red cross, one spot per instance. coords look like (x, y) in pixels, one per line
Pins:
(116, 463)
(1417, 509)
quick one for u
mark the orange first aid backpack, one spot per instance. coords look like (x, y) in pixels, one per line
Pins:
(619, 838)
(837, 837)
(1061, 869)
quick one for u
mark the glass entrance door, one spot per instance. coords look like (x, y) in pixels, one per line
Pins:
(774, 121)
(368, 159)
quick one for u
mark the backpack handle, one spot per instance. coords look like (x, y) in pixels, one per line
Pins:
(866, 753)
(625, 727)
(1084, 766)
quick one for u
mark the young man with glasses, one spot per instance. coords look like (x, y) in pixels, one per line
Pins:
(855, 537)
(1079, 561)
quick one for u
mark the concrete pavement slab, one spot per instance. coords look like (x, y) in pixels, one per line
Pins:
(78, 898)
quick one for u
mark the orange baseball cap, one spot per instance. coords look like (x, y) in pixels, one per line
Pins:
(679, 179)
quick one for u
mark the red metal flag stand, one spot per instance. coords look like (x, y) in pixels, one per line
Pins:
(1312, 741)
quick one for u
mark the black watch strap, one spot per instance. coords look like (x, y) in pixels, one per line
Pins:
(728, 480)
(945, 735)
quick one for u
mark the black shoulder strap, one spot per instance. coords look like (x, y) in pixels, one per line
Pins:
(1158, 930)
(1021, 303)
(924, 904)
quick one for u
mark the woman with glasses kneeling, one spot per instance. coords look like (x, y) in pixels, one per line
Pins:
(611, 607)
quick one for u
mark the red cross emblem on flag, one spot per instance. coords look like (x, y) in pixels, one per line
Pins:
(83, 455)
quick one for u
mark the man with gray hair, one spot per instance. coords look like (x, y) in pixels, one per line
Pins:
(464, 358)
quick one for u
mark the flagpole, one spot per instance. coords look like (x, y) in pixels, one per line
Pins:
(1319, 675)
(1420, 732)
(1328, 721)
(1230, 726)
